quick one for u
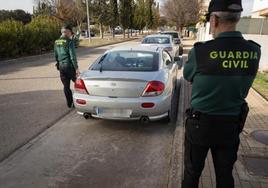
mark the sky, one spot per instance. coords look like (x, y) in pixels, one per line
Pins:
(27, 5)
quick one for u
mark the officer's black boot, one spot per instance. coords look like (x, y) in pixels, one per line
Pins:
(69, 97)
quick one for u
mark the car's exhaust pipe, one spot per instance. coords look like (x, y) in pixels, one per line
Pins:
(87, 115)
(145, 120)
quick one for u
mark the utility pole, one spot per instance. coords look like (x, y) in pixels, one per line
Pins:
(88, 22)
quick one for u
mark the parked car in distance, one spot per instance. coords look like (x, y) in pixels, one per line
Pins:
(164, 41)
(84, 33)
(128, 83)
(176, 38)
(118, 30)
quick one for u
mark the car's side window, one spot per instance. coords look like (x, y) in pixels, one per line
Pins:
(167, 59)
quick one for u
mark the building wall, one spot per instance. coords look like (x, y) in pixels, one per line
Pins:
(263, 41)
(204, 5)
(253, 26)
(258, 6)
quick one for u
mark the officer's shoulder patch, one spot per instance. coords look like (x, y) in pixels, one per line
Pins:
(251, 41)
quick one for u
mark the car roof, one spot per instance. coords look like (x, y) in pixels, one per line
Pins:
(137, 47)
(169, 32)
(157, 35)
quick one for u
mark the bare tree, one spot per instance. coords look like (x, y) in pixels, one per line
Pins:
(69, 11)
(181, 12)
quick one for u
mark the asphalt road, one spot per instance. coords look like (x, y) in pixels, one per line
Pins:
(74, 152)
(31, 97)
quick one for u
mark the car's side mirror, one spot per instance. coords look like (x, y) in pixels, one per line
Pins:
(178, 61)
(168, 62)
(177, 41)
(180, 51)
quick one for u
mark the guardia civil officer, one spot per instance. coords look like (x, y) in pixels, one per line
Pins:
(66, 61)
(221, 71)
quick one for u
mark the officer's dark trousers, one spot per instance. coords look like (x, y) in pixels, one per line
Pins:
(67, 73)
(220, 135)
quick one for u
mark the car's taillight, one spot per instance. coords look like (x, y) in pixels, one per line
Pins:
(80, 86)
(169, 49)
(81, 101)
(153, 88)
(147, 105)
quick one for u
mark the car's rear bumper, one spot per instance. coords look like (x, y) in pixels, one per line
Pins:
(162, 105)
(151, 118)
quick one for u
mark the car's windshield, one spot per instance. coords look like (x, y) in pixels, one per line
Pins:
(156, 40)
(173, 34)
(128, 61)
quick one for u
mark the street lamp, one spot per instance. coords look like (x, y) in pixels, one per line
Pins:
(88, 23)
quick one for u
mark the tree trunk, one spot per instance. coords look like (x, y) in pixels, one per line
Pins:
(128, 33)
(177, 26)
(101, 31)
(124, 33)
(79, 26)
(113, 34)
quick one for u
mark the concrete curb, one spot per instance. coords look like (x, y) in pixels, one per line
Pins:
(176, 163)
(260, 95)
(51, 54)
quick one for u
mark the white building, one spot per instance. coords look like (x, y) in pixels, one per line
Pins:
(260, 9)
(204, 5)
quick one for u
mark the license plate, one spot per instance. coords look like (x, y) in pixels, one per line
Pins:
(113, 113)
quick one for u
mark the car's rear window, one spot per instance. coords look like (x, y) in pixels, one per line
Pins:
(173, 34)
(128, 61)
(156, 40)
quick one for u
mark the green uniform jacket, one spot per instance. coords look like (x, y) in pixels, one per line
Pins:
(218, 94)
(64, 50)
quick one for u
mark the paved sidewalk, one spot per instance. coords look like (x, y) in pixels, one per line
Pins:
(251, 153)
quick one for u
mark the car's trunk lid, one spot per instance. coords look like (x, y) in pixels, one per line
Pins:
(116, 83)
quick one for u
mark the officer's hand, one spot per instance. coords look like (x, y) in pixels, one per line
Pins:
(57, 66)
(77, 73)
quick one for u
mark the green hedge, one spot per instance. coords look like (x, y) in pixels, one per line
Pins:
(36, 37)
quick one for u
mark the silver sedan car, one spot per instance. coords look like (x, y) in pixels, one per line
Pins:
(128, 83)
(164, 41)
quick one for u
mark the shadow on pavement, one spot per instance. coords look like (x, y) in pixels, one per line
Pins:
(25, 115)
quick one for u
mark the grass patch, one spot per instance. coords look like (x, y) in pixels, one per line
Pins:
(97, 41)
(261, 84)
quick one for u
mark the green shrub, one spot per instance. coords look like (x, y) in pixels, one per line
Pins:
(11, 36)
(36, 37)
(46, 30)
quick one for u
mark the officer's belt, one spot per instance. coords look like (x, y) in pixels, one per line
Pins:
(195, 114)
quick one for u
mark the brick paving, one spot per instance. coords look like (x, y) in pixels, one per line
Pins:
(249, 147)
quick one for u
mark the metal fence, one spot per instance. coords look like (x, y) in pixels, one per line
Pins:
(257, 26)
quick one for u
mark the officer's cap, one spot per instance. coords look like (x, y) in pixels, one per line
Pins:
(66, 27)
(224, 6)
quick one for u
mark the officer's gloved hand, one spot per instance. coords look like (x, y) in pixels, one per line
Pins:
(57, 65)
(77, 73)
